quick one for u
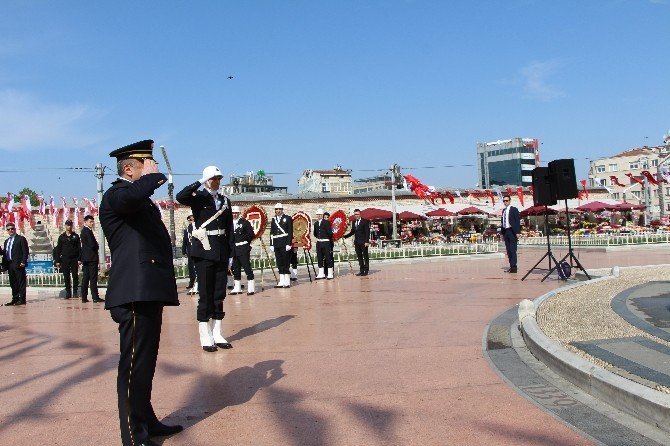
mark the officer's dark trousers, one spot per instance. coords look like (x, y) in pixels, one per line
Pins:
(140, 334)
(191, 272)
(510, 246)
(70, 268)
(89, 278)
(242, 261)
(363, 257)
(212, 281)
(283, 258)
(324, 254)
(294, 259)
(17, 282)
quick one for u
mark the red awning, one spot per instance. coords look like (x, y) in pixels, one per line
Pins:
(629, 206)
(538, 210)
(597, 206)
(375, 214)
(440, 212)
(472, 210)
(407, 215)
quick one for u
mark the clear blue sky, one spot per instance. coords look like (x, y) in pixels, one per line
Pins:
(362, 84)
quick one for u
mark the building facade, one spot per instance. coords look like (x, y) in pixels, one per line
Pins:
(335, 181)
(253, 183)
(380, 182)
(507, 162)
(619, 173)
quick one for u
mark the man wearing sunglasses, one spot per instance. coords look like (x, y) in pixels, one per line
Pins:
(511, 227)
(14, 260)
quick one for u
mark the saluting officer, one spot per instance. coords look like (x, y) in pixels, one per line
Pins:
(281, 238)
(243, 235)
(323, 233)
(141, 282)
(214, 223)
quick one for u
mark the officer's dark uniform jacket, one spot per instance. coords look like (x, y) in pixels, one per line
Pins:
(139, 243)
(67, 248)
(243, 232)
(203, 207)
(89, 246)
(323, 232)
(277, 239)
(186, 241)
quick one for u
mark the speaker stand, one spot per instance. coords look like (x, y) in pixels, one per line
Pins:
(570, 254)
(548, 254)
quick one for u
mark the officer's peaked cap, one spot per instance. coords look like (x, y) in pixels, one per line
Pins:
(279, 206)
(140, 150)
(235, 209)
(210, 172)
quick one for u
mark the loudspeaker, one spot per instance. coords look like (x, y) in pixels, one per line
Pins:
(562, 173)
(543, 194)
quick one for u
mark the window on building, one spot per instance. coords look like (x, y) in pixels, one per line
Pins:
(635, 165)
(616, 195)
(654, 163)
(600, 169)
(324, 187)
(636, 194)
(614, 167)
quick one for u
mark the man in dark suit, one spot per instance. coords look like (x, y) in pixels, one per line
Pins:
(211, 249)
(243, 235)
(186, 252)
(67, 256)
(323, 233)
(141, 283)
(89, 261)
(281, 239)
(360, 229)
(14, 260)
(511, 227)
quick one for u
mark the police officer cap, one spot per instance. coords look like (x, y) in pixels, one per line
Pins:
(68, 222)
(211, 172)
(279, 206)
(235, 209)
(140, 150)
(319, 211)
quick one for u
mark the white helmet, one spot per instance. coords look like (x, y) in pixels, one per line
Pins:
(235, 209)
(319, 211)
(210, 172)
(279, 206)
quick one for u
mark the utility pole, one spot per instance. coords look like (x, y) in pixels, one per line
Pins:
(660, 178)
(99, 174)
(395, 172)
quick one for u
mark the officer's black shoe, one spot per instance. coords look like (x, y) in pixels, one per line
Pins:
(21, 302)
(251, 293)
(294, 279)
(67, 297)
(97, 299)
(224, 345)
(209, 348)
(364, 273)
(163, 430)
(512, 270)
(9, 304)
(360, 274)
(148, 443)
(279, 286)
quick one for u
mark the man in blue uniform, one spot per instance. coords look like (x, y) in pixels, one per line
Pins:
(141, 283)
(211, 249)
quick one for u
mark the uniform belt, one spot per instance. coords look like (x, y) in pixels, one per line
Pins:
(279, 236)
(323, 240)
(241, 243)
(217, 232)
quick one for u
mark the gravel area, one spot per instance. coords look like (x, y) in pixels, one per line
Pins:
(585, 313)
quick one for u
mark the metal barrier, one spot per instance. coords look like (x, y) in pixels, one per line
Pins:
(55, 279)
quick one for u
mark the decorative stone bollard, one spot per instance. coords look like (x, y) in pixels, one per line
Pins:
(615, 271)
(526, 308)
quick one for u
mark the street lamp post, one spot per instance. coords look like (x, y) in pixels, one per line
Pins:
(395, 171)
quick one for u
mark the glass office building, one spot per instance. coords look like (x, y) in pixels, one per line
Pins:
(507, 162)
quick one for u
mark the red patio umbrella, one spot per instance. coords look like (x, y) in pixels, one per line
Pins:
(538, 210)
(629, 206)
(407, 215)
(440, 212)
(375, 214)
(597, 206)
(472, 210)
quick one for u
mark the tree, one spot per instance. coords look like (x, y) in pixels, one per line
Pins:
(34, 201)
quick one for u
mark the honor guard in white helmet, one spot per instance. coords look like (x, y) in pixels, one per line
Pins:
(323, 233)
(243, 235)
(281, 238)
(211, 250)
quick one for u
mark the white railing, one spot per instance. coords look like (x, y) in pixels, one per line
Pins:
(55, 279)
(600, 239)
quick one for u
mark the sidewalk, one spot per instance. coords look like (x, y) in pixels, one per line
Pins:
(391, 359)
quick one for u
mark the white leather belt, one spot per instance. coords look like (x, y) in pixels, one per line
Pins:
(322, 240)
(217, 232)
(241, 243)
(279, 236)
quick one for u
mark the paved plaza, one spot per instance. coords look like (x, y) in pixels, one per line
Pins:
(395, 358)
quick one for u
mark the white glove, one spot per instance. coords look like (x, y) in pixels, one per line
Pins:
(230, 262)
(289, 247)
(203, 180)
